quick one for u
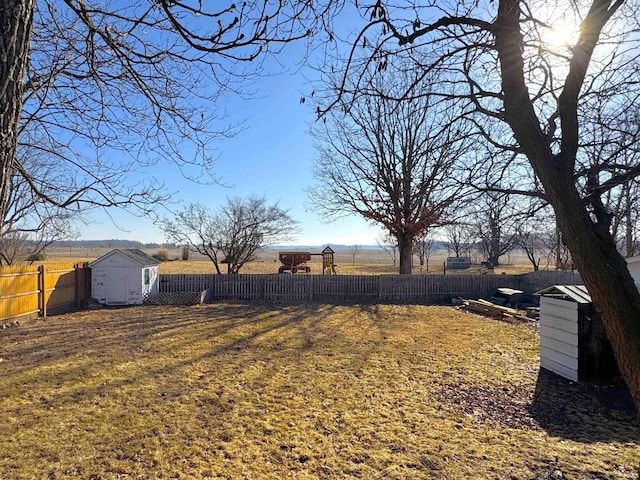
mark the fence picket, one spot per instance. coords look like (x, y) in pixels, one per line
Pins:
(67, 286)
(29, 291)
(358, 288)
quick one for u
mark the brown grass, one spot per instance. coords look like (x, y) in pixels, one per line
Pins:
(312, 391)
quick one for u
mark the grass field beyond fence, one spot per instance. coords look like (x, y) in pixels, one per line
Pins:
(237, 391)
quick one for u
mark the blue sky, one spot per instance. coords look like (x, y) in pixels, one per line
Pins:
(271, 157)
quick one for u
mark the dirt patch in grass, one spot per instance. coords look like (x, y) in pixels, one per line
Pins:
(309, 391)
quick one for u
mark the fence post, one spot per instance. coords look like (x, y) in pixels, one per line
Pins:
(42, 300)
(76, 274)
(86, 286)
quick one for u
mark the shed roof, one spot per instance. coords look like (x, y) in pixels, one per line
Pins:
(577, 293)
(134, 254)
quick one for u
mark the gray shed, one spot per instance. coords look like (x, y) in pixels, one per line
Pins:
(123, 277)
(573, 343)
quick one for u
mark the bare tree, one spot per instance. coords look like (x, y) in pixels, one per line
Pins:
(531, 243)
(30, 224)
(233, 233)
(459, 238)
(423, 246)
(522, 95)
(107, 89)
(495, 226)
(536, 237)
(558, 253)
(388, 244)
(354, 250)
(626, 220)
(390, 163)
(12, 248)
(534, 101)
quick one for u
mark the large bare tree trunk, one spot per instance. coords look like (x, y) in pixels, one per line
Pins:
(16, 17)
(603, 269)
(604, 273)
(405, 245)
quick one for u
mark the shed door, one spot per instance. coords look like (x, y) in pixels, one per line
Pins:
(117, 286)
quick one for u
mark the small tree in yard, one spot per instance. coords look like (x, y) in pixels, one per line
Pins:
(494, 226)
(532, 236)
(388, 244)
(422, 248)
(354, 250)
(233, 233)
(559, 254)
(458, 239)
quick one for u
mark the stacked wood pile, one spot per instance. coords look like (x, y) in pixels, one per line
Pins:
(487, 308)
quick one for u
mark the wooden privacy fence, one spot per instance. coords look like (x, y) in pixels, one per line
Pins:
(337, 288)
(357, 288)
(535, 281)
(40, 290)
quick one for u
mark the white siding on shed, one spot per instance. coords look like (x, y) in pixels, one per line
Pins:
(559, 336)
(633, 264)
(152, 286)
(99, 284)
(558, 367)
(118, 285)
(123, 277)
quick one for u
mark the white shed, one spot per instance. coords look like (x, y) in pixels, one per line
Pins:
(573, 343)
(633, 264)
(123, 277)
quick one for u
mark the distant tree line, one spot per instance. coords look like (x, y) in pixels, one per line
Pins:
(107, 243)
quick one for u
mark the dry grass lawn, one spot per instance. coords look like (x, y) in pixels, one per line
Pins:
(235, 391)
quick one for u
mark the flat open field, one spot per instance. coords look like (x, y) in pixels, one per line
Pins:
(365, 262)
(235, 391)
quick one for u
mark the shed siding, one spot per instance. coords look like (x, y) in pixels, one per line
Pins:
(566, 362)
(99, 284)
(134, 285)
(153, 280)
(561, 347)
(115, 260)
(118, 277)
(559, 314)
(633, 264)
(560, 369)
(117, 286)
(548, 331)
(559, 336)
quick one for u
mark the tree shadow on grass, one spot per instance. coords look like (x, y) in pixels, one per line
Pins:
(583, 412)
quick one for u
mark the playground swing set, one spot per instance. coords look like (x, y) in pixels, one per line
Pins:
(294, 262)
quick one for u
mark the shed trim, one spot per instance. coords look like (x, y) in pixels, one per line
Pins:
(577, 293)
(133, 254)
